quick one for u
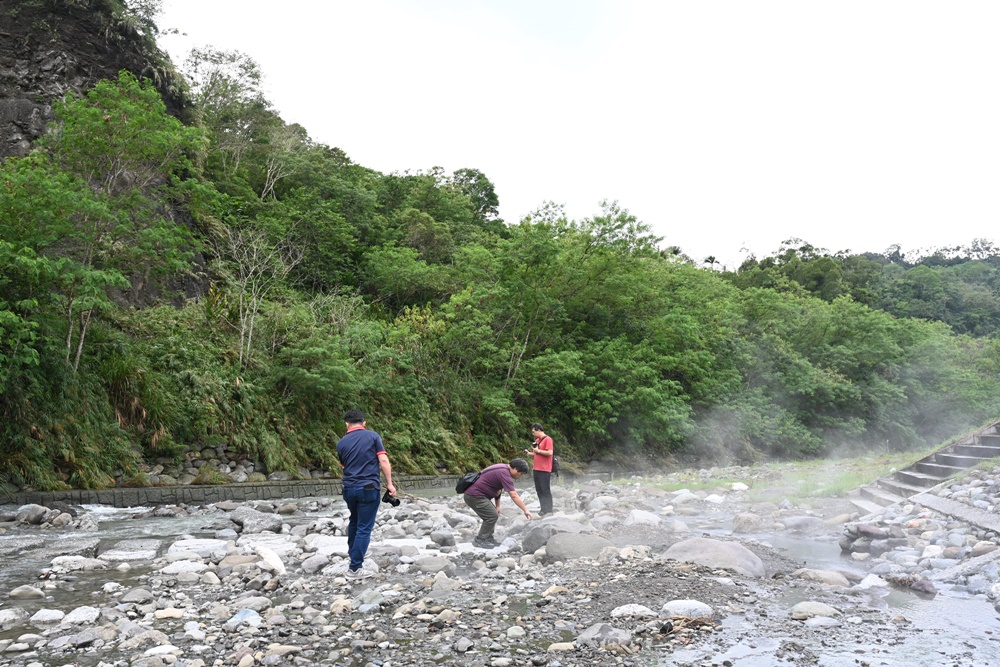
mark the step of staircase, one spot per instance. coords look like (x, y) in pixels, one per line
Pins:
(918, 479)
(866, 507)
(899, 487)
(938, 470)
(982, 452)
(880, 495)
(956, 460)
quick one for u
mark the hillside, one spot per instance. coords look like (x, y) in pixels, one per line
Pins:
(48, 49)
(201, 295)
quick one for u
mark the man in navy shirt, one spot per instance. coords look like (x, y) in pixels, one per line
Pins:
(362, 455)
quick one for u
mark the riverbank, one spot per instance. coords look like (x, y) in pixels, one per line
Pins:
(635, 572)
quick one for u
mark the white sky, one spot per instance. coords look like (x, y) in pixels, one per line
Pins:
(724, 125)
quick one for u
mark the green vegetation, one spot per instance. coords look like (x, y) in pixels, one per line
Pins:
(801, 481)
(171, 287)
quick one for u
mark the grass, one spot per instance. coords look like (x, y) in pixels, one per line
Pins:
(829, 478)
(797, 481)
(988, 465)
(692, 481)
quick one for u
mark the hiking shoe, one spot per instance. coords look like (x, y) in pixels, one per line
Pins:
(485, 543)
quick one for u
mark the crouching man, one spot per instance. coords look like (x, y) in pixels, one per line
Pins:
(484, 497)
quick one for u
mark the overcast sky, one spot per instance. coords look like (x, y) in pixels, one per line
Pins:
(728, 127)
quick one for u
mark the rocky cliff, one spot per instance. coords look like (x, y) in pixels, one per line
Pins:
(51, 47)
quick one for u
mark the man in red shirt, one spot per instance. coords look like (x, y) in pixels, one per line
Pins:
(542, 462)
(484, 497)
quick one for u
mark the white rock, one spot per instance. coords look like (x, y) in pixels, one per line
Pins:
(642, 518)
(184, 566)
(202, 547)
(47, 616)
(633, 610)
(872, 581)
(688, 608)
(269, 560)
(82, 615)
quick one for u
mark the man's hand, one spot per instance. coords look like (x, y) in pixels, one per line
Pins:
(392, 489)
(527, 515)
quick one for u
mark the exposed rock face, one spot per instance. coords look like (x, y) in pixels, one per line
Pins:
(48, 49)
(52, 48)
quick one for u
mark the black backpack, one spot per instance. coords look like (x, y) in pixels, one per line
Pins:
(465, 481)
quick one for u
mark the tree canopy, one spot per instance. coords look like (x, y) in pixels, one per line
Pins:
(326, 285)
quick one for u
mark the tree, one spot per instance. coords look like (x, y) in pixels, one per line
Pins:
(230, 103)
(256, 266)
(102, 199)
(480, 190)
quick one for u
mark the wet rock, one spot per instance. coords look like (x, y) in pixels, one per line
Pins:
(131, 550)
(32, 514)
(138, 596)
(26, 593)
(47, 617)
(746, 522)
(801, 523)
(12, 617)
(824, 577)
(601, 634)
(809, 609)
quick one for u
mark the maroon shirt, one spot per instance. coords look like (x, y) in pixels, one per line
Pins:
(492, 481)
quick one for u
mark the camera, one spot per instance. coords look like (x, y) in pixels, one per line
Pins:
(392, 500)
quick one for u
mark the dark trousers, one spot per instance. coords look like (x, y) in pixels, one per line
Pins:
(363, 504)
(485, 509)
(543, 487)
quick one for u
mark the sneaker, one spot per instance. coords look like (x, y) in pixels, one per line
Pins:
(358, 575)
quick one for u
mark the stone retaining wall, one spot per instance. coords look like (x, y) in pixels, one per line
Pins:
(207, 494)
(212, 493)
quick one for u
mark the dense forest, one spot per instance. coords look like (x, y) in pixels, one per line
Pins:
(220, 279)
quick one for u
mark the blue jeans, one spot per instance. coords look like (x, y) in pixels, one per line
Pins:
(363, 504)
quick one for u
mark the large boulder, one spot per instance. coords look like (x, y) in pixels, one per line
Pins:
(568, 546)
(718, 554)
(538, 533)
(252, 521)
(747, 522)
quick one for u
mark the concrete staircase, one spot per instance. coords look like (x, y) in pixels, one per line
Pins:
(929, 471)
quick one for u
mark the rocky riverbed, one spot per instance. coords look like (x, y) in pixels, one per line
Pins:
(624, 574)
